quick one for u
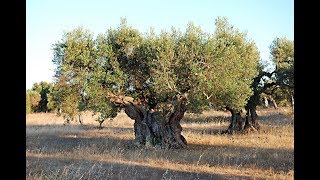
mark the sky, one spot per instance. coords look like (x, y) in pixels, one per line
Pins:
(47, 20)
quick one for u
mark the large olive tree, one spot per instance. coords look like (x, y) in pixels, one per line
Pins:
(156, 78)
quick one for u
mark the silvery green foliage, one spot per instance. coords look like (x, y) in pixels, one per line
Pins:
(282, 54)
(157, 69)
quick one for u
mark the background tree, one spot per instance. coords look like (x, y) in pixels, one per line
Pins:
(32, 101)
(259, 86)
(278, 84)
(73, 56)
(282, 54)
(28, 104)
(52, 105)
(227, 75)
(43, 88)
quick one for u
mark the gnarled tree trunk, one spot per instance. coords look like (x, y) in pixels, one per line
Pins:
(154, 128)
(251, 123)
(236, 121)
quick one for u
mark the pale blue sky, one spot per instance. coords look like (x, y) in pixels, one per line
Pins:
(47, 19)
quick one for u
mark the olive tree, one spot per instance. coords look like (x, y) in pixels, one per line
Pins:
(156, 78)
(231, 66)
(279, 82)
(282, 54)
(32, 101)
(44, 89)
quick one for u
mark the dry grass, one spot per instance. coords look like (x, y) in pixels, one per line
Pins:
(57, 151)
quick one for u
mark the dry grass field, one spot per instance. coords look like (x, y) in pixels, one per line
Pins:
(57, 151)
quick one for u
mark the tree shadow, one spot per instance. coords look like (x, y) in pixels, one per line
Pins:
(68, 140)
(208, 155)
(77, 126)
(210, 131)
(91, 169)
(262, 158)
(277, 119)
(204, 120)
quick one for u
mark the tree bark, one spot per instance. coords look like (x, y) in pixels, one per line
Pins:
(236, 122)
(251, 123)
(274, 103)
(241, 124)
(80, 121)
(100, 124)
(265, 100)
(292, 102)
(154, 128)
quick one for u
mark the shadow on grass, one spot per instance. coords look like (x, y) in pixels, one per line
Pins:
(78, 127)
(218, 156)
(203, 120)
(212, 131)
(91, 169)
(69, 168)
(262, 158)
(272, 119)
(275, 119)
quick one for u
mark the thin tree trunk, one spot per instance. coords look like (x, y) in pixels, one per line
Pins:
(247, 121)
(100, 124)
(292, 102)
(80, 121)
(266, 104)
(274, 103)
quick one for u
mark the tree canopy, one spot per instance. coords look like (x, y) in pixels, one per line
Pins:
(216, 68)
(282, 54)
(38, 98)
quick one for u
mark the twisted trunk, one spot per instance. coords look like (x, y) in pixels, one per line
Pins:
(236, 121)
(154, 128)
(251, 123)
